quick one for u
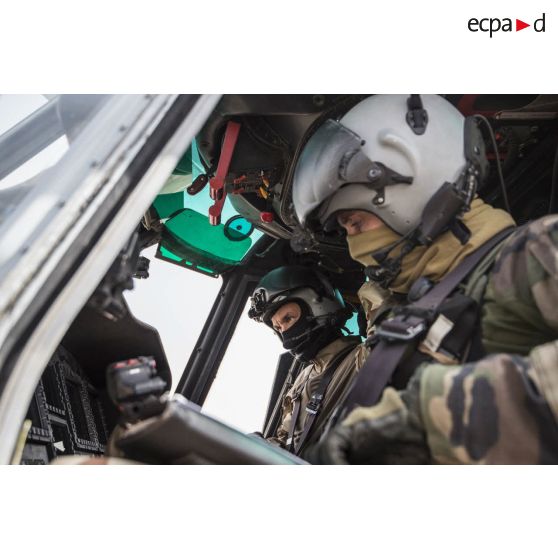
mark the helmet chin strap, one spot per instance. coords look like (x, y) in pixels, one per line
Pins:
(441, 214)
(389, 268)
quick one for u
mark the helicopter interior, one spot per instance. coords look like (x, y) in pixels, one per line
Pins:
(226, 211)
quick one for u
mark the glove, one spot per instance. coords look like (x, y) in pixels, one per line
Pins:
(388, 433)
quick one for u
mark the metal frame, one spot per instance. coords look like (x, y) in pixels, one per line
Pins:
(29, 137)
(75, 187)
(206, 357)
(217, 332)
(61, 276)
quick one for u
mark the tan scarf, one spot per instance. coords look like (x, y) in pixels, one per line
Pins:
(438, 259)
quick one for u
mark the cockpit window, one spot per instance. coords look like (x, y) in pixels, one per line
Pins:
(34, 153)
(188, 239)
(46, 152)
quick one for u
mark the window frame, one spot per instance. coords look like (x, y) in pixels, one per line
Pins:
(47, 304)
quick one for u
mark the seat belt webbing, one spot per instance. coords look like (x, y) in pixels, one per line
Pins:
(314, 406)
(384, 358)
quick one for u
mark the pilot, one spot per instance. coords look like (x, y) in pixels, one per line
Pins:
(397, 175)
(308, 315)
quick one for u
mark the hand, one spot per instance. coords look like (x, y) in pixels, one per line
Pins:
(390, 432)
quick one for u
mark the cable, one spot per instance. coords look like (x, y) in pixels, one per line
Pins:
(485, 121)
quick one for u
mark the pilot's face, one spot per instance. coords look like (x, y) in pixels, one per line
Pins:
(355, 221)
(286, 317)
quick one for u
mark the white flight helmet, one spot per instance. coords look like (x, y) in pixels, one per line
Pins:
(388, 155)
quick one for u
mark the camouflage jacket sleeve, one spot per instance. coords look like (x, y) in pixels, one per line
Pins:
(501, 409)
(520, 305)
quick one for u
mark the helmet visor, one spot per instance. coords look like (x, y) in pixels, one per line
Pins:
(317, 175)
(331, 160)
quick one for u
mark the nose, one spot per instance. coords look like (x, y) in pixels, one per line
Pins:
(346, 221)
(350, 228)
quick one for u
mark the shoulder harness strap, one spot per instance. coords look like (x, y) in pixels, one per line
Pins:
(406, 326)
(314, 406)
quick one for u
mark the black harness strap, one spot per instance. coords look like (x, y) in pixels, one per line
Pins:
(275, 416)
(396, 334)
(314, 405)
(294, 419)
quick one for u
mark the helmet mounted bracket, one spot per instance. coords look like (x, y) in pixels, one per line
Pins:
(442, 212)
(356, 168)
(416, 117)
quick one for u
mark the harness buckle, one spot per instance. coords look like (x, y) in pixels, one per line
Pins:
(407, 324)
(403, 334)
(314, 404)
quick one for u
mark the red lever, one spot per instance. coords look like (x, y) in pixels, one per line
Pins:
(217, 183)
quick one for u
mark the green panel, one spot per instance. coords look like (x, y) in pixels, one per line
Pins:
(168, 204)
(189, 240)
(194, 230)
(169, 255)
(238, 228)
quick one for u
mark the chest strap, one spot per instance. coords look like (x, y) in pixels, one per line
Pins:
(397, 333)
(294, 419)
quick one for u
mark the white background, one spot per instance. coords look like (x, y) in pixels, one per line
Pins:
(283, 47)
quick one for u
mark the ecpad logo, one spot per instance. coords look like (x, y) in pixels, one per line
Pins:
(494, 24)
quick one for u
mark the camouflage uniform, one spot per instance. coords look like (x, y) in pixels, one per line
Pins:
(501, 409)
